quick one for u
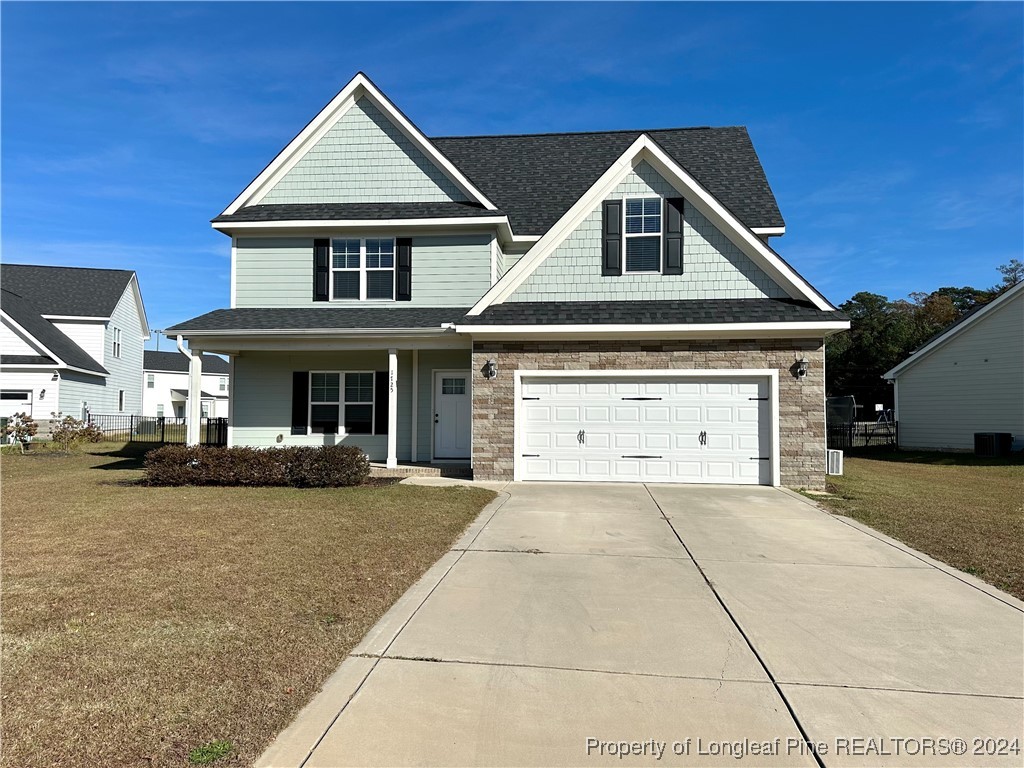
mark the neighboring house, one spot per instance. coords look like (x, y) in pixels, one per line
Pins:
(72, 341)
(967, 379)
(583, 306)
(166, 385)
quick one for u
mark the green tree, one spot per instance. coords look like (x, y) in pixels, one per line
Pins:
(1012, 272)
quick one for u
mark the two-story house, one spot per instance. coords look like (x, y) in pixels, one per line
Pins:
(71, 341)
(579, 306)
(166, 385)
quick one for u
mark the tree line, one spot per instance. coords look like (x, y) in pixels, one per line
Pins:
(883, 332)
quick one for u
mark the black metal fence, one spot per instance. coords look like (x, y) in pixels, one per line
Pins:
(158, 429)
(862, 434)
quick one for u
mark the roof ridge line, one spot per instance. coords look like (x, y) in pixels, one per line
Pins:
(588, 133)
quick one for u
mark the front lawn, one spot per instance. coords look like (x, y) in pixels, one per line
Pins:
(964, 511)
(142, 625)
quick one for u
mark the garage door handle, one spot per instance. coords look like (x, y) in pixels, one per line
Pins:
(641, 456)
(641, 398)
(702, 438)
(581, 437)
(760, 458)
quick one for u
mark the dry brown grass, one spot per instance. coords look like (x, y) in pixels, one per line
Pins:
(140, 623)
(964, 511)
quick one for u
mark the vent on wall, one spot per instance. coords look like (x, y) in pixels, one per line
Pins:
(834, 462)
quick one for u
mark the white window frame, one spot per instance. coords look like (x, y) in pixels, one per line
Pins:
(363, 269)
(626, 236)
(342, 403)
(159, 410)
(222, 384)
(150, 381)
(116, 346)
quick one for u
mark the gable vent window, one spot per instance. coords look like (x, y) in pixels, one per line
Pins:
(643, 234)
(363, 269)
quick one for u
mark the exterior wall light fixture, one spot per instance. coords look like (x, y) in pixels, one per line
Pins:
(490, 369)
(800, 368)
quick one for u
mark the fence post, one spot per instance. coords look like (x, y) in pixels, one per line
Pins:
(131, 427)
(163, 427)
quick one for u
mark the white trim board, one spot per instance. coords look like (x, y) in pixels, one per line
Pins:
(58, 361)
(953, 331)
(644, 149)
(690, 330)
(771, 374)
(358, 87)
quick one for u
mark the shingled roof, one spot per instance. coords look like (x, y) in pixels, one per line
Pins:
(535, 178)
(26, 314)
(682, 312)
(70, 291)
(176, 362)
(363, 211)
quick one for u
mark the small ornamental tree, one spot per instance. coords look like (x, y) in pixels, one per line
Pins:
(67, 431)
(20, 428)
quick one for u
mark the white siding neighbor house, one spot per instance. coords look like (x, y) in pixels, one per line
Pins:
(165, 391)
(71, 341)
(968, 379)
(577, 306)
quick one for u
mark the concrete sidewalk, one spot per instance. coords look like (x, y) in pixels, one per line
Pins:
(690, 625)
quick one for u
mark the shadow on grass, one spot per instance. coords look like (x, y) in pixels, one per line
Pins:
(936, 458)
(131, 455)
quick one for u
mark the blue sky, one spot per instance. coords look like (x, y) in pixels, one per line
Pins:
(891, 133)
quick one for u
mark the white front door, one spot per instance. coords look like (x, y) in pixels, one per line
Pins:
(452, 414)
(666, 429)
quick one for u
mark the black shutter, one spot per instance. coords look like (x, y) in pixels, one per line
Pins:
(403, 269)
(380, 403)
(611, 238)
(300, 402)
(321, 270)
(673, 262)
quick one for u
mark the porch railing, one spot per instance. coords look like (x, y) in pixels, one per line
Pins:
(119, 427)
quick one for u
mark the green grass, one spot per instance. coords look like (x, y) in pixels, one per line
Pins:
(963, 510)
(140, 622)
(209, 752)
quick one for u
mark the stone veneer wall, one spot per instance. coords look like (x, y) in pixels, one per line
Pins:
(801, 406)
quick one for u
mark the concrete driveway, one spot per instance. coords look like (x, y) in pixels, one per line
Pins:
(681, 625)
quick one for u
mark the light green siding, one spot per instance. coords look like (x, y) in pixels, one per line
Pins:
(262, 397)
(972, 383)
(447, 271)
(713, 268)
(364, 158)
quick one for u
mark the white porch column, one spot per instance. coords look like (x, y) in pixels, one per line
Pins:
(415, 384)
(392, 408)
(195, 404)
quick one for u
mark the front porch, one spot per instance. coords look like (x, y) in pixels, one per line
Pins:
(409, 407)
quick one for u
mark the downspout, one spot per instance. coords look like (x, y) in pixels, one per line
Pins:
(195, 390)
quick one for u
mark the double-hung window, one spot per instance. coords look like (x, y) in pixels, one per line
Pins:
(343, 398)
(222, 385)
(117, 343)
(363, 268)
(643, 234)
(150, 380)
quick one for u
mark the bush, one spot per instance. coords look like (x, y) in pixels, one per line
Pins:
(20, 428)
(67, 431)
(300, 467)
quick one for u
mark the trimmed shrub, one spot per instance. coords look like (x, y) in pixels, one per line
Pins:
(300, 467)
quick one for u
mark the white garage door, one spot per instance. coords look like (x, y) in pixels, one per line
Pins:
(636, 429)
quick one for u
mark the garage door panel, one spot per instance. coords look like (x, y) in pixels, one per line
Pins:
(626, 441)
(627, 414)
(639, 429)
(718, 414)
